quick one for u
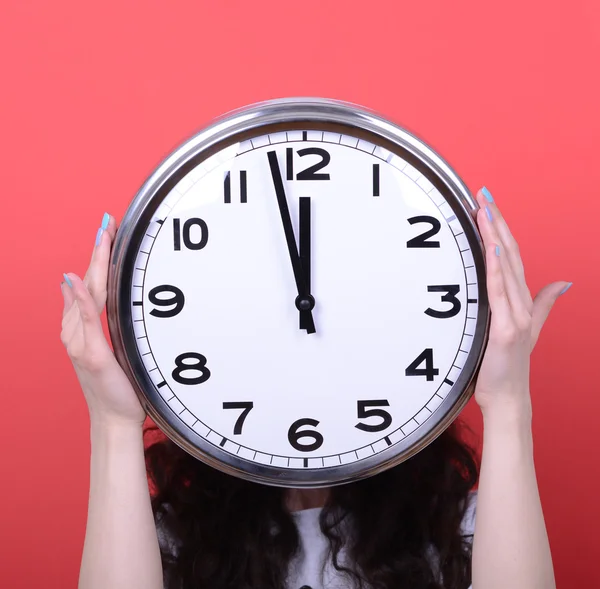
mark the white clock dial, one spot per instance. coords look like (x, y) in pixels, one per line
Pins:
(213, 300)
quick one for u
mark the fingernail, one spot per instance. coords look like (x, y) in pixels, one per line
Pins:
(566, 288)
(497, 250)
(99, 236)
(105, 221)
(68, 280)
(488, 213)
(487, 194)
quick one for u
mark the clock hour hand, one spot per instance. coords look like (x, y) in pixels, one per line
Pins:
(304, 301)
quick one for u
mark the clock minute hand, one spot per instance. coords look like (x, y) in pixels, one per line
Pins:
(304, 301)
(304, 240)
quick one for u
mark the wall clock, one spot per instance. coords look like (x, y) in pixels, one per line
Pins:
(298, 294)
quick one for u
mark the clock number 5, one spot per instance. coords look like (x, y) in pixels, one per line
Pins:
(365, 413)
(294, 436)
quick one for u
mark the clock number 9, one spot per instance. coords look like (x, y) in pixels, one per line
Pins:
(177, 299)
(199, 365)
(294, 436)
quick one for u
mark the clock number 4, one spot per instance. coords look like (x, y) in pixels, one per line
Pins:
(311, 172)
(424, 357)
(199, 365)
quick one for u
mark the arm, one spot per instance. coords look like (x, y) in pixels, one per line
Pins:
(510, 546)
(121, 546)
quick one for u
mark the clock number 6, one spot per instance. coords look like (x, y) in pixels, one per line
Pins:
(365, 413)
(199, 365)
(294, 436)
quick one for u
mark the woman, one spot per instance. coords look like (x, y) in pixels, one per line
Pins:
(410, 527)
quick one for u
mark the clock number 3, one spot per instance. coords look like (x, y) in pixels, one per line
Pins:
(451, 291)
(198, 366)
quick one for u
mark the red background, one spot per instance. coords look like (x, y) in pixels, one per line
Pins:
(95, 94)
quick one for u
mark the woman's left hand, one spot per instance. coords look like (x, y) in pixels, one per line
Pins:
(516, 319)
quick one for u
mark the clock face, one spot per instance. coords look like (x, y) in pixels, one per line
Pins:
(302, 301)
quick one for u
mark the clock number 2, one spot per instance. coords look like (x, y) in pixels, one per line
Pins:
(421, 240)
(198, 366)
(294, 436)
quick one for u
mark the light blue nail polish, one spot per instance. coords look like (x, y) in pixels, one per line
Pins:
(566, 288)
(99, 236)
(68, 281)
(487, 194)
(105, 221)
(497, 250)
(488, 213)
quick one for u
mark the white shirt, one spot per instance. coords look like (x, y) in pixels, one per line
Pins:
(310, 568)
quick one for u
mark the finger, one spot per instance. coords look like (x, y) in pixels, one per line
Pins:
(97, 274)
(542, 305)
(68, 297)
(513, 254)
(90, 319)
(499, 305)
(518, 303)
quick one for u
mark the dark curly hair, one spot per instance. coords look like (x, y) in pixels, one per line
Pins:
(233, 534)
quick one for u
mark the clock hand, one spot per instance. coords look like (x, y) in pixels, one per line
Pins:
(304, 246)
(304, 301)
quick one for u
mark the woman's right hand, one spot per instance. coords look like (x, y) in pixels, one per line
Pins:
(108, 392)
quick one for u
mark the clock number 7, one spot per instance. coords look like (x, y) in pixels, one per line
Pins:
(247, 406)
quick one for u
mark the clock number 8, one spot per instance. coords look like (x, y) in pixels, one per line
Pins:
(199, 365)
(294, 436)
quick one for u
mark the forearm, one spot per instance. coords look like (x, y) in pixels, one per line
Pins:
(121, 546)
(511, 549)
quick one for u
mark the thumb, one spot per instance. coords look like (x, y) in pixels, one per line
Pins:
(542, 305)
